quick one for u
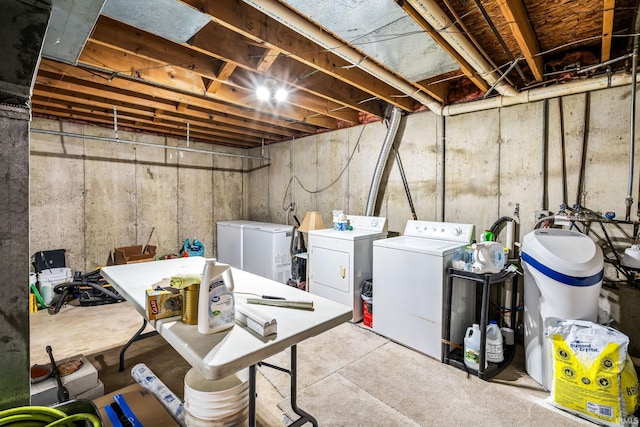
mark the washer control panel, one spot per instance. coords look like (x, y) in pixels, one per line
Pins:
(449, 231)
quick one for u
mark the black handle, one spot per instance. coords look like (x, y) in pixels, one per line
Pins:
(63, 393)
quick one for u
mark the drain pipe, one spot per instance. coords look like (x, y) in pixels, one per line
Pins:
(394, 123)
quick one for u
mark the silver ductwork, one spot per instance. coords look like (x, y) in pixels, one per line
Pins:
(394, 123)
(23, 25)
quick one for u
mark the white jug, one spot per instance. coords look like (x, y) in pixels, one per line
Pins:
(216, 302)
(488, 257)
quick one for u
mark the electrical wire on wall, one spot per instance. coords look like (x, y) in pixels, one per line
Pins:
(320, 190)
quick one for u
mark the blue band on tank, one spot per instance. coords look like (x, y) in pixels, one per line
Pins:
(562, 278)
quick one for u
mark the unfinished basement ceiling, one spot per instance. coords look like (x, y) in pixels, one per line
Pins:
(189, 68)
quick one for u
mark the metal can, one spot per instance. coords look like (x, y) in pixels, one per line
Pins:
(190, 304)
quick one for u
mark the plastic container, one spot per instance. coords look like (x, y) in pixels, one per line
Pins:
(488, 257)
(495, 348)
(51, 277)
(563, 272)
(216, 402)
(216, 302)
(472, 347)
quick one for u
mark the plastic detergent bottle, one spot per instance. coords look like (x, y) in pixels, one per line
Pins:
(472, 347)
(495, 349)
(216, 302)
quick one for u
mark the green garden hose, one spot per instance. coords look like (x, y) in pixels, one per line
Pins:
(43, 416)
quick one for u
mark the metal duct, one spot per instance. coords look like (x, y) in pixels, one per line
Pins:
(70, 25)
(394, 123)
(23, 25)
(439, 20)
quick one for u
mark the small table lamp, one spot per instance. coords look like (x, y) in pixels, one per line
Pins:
(311, 221)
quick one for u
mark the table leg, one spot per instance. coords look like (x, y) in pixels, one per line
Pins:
(137, 336)
(305, 417)
(252, 396)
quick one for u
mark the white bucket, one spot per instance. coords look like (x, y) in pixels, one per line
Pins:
(216, 401)
(51, 277)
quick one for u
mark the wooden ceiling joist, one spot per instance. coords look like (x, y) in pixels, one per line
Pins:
(516, 16)
(607, 29)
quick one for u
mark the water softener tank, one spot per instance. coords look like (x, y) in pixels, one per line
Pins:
(563, 271)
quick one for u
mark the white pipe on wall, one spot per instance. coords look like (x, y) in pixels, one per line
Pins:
(539, 94)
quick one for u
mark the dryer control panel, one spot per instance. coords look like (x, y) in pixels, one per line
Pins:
(368, 223)
(449, 231)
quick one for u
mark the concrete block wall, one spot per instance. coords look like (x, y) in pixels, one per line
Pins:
(90, 196)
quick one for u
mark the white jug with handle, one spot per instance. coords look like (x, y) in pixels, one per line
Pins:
(216, 302)
(488, 257)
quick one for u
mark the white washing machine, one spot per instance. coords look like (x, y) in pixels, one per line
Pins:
(339, 261)
(409, 279)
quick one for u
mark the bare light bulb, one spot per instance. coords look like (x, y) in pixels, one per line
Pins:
(263, 93)
(281, 94)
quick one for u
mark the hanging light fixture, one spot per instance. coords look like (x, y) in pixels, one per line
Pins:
(269, 91)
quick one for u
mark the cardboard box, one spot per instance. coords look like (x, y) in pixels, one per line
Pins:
(133, 254)
(163, 303)
(146, 408)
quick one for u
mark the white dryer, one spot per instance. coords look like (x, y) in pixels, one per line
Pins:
(409, 279)
(339, 261)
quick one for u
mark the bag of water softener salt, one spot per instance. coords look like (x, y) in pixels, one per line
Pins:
(593, 376)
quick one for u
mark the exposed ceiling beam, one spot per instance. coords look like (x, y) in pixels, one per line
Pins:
(435, 35)
(516, 16)
(607, 29)
(251, 23)
(148, 47)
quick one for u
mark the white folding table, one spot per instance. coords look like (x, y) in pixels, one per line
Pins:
(221, 354)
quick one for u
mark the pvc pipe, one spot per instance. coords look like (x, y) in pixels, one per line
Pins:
(509, 239)
(539, 94)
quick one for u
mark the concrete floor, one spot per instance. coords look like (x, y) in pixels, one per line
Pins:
(348, 376)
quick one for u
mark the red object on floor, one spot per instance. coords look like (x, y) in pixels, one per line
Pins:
(367, 317)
